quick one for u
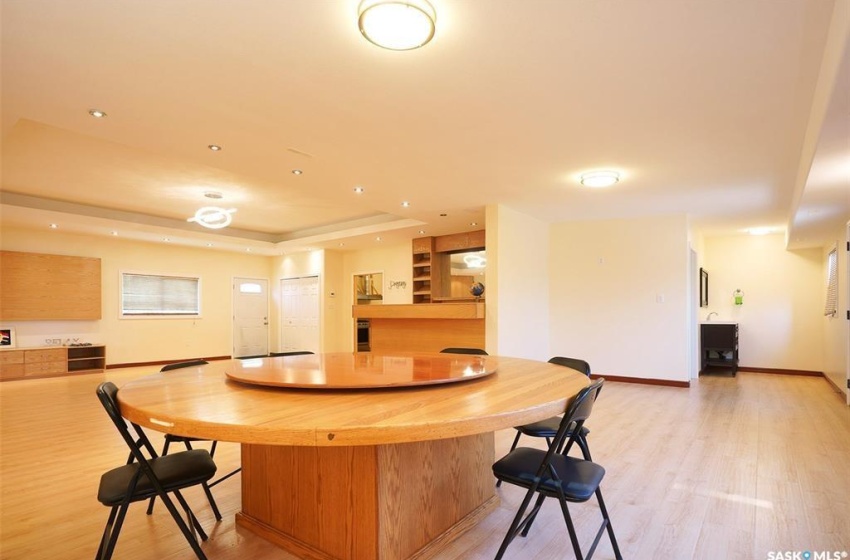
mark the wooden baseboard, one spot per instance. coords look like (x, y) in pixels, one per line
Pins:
(163, 362)
(643, 381)
(781, 371)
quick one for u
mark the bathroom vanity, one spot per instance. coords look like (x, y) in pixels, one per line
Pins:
(718, 348)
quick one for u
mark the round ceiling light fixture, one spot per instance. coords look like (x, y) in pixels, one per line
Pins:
(213, 217)
(398, 25)
(599, 178)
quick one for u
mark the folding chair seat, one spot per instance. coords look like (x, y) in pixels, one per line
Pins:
(146, 475)
(187, 442)
(552, 474)
(474, 351)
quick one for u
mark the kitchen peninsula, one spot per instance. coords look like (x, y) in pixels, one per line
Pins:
(423, 327)
(443, 312)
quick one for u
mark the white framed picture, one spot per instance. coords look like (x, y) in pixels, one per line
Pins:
(7, 338)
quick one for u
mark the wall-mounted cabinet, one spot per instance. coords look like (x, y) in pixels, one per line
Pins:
(38, 287)
(426, 270)
(26, 363)
(432, 274)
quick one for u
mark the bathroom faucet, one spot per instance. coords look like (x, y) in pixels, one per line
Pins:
(710, 314)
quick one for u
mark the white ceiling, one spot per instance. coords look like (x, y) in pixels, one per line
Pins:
(715, 109)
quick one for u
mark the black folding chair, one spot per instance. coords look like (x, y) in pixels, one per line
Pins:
(187, 442)
(474, 351)
(552, 474)
(549, 427)
(148, 475)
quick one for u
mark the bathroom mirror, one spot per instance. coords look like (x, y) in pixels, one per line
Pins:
(466, 269)
(703, 287)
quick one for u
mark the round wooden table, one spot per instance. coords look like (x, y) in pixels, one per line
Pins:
(388, 473)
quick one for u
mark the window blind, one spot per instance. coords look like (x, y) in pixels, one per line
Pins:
(149, 294)
(831, 307)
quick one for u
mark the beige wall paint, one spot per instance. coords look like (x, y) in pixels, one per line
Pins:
(780, 324)
(618, 292)
(517, 290)
(395, 261)
(836, 330)
(143, 340)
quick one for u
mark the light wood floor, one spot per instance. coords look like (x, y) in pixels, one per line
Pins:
(731, 468)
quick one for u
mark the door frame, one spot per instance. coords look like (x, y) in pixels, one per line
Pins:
(233, 280)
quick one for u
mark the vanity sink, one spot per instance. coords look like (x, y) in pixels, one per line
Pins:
(718, 322)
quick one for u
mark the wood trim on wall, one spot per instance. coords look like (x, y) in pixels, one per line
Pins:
(782, 371)
(643, 381)
(163, 362)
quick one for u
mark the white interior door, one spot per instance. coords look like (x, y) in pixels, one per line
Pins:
(299, 314)
(250, 317)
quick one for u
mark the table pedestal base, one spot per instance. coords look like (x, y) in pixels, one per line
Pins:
(382, 502)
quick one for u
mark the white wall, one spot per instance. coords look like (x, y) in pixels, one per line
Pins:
(518, 281)
(148, 339)
(619, 296)
(836, 330)
(780, 324)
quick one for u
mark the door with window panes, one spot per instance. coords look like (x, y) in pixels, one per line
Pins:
(250, 317)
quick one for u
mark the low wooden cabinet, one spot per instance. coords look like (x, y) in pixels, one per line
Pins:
(26, 363)
(719, 348)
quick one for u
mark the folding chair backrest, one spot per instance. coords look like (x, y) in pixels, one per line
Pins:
(577, 412)
(107, 393)
(180, 365)
(574, 363)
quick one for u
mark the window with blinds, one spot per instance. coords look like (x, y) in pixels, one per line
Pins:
(831, 307)
(157, 295)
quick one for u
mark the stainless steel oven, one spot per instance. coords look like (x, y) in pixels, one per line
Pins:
(363, 335)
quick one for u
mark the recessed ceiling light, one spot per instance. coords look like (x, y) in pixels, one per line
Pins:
(248, 249)
(342, 244)
(209, 244)
(213, 194)
(113, 232)
(378, 238)
(421, 231)
(214, 147)
(297, 172)
(97, 113)
(473, 223)
(599, 178)
(359, 190)
(167, 240)
(54, 226)
(395, 24)
(405, 204)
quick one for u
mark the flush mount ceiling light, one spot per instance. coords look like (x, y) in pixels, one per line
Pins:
(213, 217)
(398, 25)
(475, 261)
(213, 194)
(97, 113)
(600, 178)
(214, 147)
